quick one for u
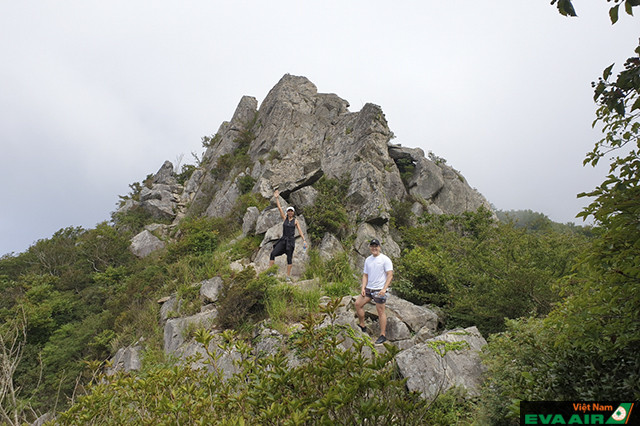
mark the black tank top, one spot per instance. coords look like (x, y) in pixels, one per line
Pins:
(289, 228)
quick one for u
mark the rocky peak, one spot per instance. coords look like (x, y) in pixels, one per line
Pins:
(297, 136)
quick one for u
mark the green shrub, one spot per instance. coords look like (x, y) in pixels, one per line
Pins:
(185, 173)
(245, 183)
(288, 304)
(134, 219)
(407, 168)
(243, 298)
(329, 213)
(339, 288)
(420, 279)
(330, 385)
(196, 236)
(336, 275)
(244, 248)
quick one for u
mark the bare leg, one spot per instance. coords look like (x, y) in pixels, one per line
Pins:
(289, 270)
(271, 262)
(382, 318)
(360, 302)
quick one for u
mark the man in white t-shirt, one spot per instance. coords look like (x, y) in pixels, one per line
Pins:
(376, 277)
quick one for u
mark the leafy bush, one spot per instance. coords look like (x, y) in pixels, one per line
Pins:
(197, 236)
(288, 304)
(185, 173)
(243, 298)
(420, 279)
(407, 168)
(329, 213)
(330, 385)
(245, 183)
(337, 277)
(483, 271)
(134, 219)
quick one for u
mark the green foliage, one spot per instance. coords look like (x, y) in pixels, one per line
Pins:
(565, 8)
(196, 236)
(209, 141)
(330, 386)
(185, 173)
(534, 221)
(407, 168)
(133, 220)
(288, 304)
(401, 214)
(420, 279)
(243, 298)
(482, 271)
(329, 214)
(336, 276)
(244, 248)
(587, 347)
(245, 183)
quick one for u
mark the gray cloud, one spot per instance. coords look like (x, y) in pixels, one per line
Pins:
(97, 95)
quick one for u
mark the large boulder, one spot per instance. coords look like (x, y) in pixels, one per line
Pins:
(145, 243)
(176, 329)
(431, 368)
(210, 289)
(126, 360)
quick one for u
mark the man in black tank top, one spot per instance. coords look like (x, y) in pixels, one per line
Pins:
(287, 243)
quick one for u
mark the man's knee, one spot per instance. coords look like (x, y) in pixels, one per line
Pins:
(360, 302)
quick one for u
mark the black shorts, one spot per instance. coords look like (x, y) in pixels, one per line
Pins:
(281, 248)
(373, 294)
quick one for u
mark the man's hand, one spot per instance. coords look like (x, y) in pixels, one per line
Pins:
(363, 293)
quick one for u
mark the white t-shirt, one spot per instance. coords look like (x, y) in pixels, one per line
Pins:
(376, 268)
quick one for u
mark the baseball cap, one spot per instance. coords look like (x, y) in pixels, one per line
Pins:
(291, 208)
(374, 242)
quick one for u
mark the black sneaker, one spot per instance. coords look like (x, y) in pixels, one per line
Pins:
(363, 328)
(381, 339)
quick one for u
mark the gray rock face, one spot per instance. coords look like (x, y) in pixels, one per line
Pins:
(145, 243)
(126, 359)
(330, 246)
(431, 369)
(304, 197)
(416, 317)
(293, 139)
(249, 220)
(175, 329)
(210, 289)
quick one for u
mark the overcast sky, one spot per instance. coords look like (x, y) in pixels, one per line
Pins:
(95, 95)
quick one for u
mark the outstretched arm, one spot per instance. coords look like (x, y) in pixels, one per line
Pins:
(276, 194)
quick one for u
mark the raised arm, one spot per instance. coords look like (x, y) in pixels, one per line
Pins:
(276, 194)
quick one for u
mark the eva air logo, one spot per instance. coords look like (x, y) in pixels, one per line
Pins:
(621, 415)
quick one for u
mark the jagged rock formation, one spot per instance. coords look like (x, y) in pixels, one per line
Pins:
(429, 367)
(295, 137)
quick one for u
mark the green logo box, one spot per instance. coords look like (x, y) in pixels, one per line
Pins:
(580, 413)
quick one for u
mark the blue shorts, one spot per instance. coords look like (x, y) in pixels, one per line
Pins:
(373, 294)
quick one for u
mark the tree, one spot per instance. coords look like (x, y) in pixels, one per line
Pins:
(565, 7)
(13, 338)
(587, 348)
